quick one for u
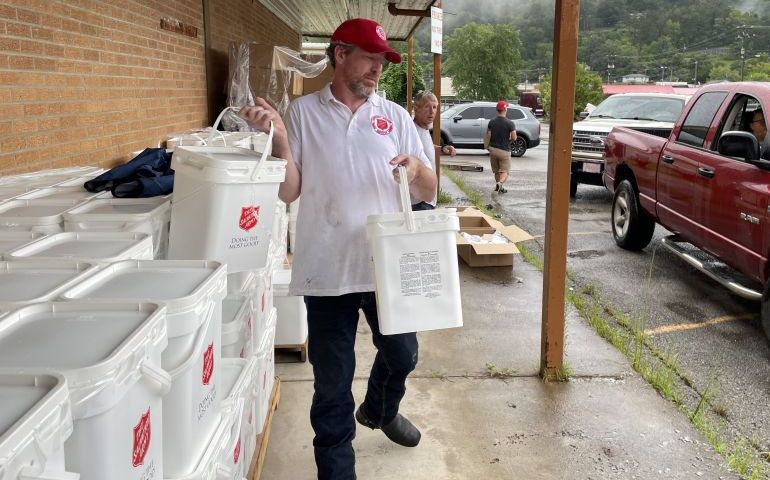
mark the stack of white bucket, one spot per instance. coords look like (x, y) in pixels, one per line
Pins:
(225, 207)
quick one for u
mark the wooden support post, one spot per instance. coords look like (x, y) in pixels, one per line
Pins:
(437, 118)
(557, 193)
(409, 73)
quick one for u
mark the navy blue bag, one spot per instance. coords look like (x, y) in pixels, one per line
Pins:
(149, 174)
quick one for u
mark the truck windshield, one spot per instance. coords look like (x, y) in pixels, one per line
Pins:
(660, 109)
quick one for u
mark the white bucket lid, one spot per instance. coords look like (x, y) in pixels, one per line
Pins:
(118, 209)
(22, 283)
(35, 212)
(10, 241)
(35, 419)
(438, 220)
(94, 345)
(267, 341)
(180, 284)
(12, 190)
(228, 165)
(87, 246)
(59, 193)
(235, 313)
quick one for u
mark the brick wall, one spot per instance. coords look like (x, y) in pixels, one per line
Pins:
(239, 21)
(90, 81)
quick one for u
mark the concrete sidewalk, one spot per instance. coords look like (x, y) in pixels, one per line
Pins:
(605, 422)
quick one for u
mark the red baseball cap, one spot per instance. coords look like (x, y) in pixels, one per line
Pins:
(367, 35)
(502, 105)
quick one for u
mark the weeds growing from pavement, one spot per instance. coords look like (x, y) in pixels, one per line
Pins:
(657, 366)
(494, 372)
(444, 198)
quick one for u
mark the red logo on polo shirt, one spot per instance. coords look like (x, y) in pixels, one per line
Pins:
(249, 218)
(382, 125)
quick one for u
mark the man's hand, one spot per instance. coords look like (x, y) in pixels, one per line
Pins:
(412, 165)
(260, 116)
(449, 150)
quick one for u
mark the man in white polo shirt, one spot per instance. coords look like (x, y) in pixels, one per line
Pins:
(425, 108)
(342, 145)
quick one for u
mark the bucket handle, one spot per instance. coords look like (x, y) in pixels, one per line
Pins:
(160, 377)
(264, 156)
(27, 473)
(199, 340)
(406, 202)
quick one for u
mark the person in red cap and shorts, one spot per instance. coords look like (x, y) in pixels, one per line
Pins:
(500, 133)
(342, 145)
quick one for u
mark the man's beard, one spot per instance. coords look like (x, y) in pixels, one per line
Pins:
(359, 89)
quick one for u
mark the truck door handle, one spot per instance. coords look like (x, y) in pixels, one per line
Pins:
(667, 159)
(705, 172)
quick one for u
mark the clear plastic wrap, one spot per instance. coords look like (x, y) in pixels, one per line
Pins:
(259, 70)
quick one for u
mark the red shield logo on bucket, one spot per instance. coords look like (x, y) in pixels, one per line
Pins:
(237, 452)
(249, 218)
(208, 363)
(141, 439)
(382, 125)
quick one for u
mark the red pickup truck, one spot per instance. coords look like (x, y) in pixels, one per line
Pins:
(708, 183)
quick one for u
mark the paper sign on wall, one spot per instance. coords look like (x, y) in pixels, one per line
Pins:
(436, 29)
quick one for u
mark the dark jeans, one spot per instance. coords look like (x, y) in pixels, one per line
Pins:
(332, 324)
(422, 206)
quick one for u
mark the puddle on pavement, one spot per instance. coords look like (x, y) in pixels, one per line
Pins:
(585, 254)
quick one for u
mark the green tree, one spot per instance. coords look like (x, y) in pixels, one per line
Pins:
(588, 89)
(724, 72)
(393, 80)
(482, 61)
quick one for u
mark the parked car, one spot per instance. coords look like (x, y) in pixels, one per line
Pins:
(653, 113)
(707, 182)
(464, 126)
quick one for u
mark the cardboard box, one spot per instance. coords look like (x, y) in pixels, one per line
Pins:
(475, 222)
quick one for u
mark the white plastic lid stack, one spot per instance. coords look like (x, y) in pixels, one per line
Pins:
(79, 181)
(110, 355)
(34, 423)
(23, 283)
(144, 215)
(291, 326)
(10, 241)
(92, 247)
(45, 216)
(236, 327)
(60, 193)
(192, 291)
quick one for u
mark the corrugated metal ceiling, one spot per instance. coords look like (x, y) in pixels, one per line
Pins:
(319, 18)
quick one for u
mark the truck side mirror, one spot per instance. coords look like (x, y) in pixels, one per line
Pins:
(583, 115)
(739, 144)
(457, 118)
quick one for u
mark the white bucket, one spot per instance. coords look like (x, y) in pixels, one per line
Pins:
(24, 283)
(415, 268)
(142, 215)
(240, 283)
(291, 326)
(223, 207)
(92, 247)
(34, 423)
(110, 355)
(239, 378)
(61, 193)
(237, 327)
(280, 225)
(262, 302)
(81, 180)
(293, 214)
(12, 190)
(193, 293)
(10, 241)
(43, 216)
(266, 370)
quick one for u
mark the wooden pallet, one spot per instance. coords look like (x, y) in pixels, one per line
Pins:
(462, 165)
(300, 348)
(260, 451)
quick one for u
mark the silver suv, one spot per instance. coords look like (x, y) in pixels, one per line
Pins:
(464, 126)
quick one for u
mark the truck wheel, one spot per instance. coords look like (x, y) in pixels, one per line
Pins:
(631, 228)
(518, 147)
(766, 312)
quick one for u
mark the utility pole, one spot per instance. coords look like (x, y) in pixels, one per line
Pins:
(610, 66)
(695, 79)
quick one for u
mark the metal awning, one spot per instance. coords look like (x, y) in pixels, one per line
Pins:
(319, 18)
